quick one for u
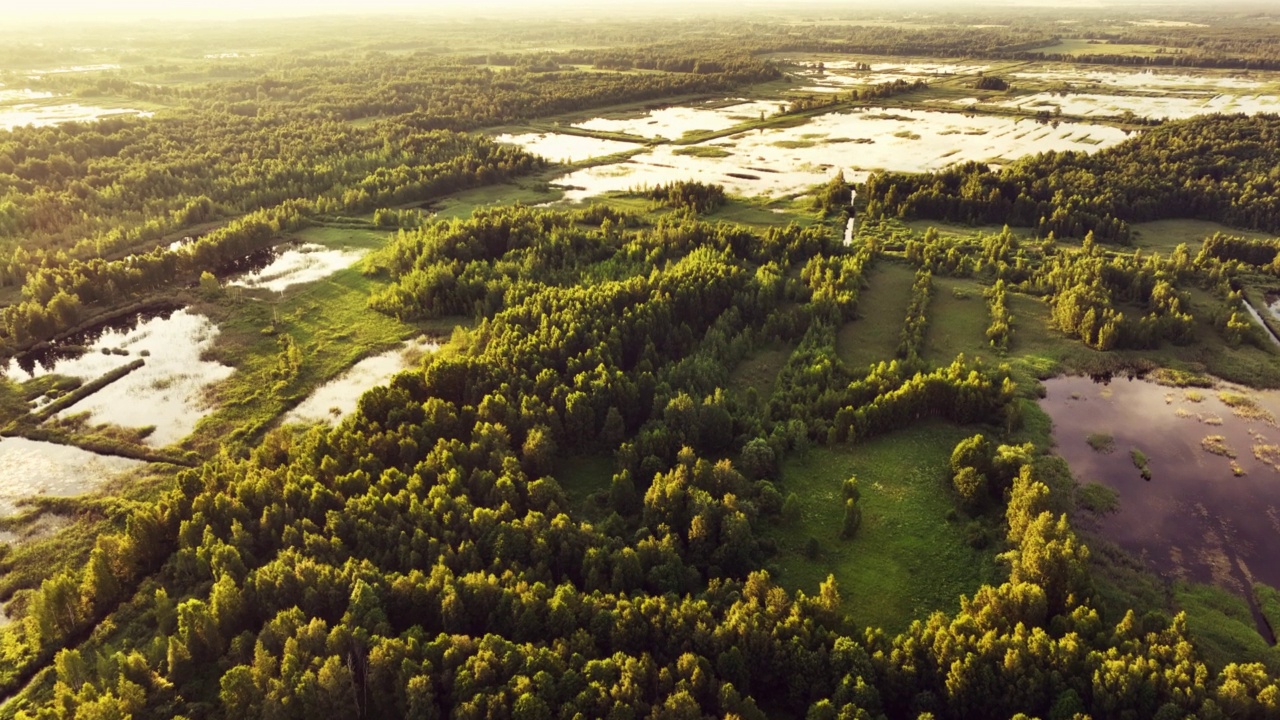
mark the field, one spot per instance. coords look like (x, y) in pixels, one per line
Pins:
(909, 558)
(1098, 47)
(759, 373)
(958, 320)
(881, 308)
(1165, 235)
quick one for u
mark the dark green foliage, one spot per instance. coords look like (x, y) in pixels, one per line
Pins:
(852, 519)
(991, 82)
(689, 195)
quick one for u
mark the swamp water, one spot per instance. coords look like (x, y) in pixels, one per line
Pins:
(295, 265)
(1211, 511)
(166, 392)
(32, 467)
(777, 162)
(338, 398)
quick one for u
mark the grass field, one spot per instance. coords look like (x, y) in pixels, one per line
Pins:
(759, 371)
(528, 192)
(1223, 628)
(1165, 235)
(958, 320)
(881, 309)
(907, 559)
(1080, 46)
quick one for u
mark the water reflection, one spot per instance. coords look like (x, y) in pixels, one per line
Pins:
(1211, 512)
(339, 397)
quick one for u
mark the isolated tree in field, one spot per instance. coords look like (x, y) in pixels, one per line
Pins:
(852, 519)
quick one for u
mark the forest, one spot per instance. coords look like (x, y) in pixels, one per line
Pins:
(585, 502)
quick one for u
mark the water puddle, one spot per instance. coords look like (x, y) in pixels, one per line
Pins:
(338, 398)
(1141, 80)
(840, 75)
(1211, 510)
(777, 162)
(672, 123)
(562, 148)
(31, 467)
(296, 265)
(35, 74)
(1167, 107)
(166, 392)
(23, 114)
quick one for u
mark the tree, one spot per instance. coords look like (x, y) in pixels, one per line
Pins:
(971, 485)
(852, 519)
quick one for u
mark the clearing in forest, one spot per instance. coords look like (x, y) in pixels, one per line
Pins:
(882, 306)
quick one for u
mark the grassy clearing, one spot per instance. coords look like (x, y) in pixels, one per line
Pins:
(958, 320)
(759, 372)
(344, 238)
(1084, 46)
(586, 481)
(907, 559)
(1222, 627)
(463, 204)
(760, 215)
(882, 306)
(1040, 351)
(1165, 235)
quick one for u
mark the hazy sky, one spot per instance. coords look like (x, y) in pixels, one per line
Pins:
(70, 10)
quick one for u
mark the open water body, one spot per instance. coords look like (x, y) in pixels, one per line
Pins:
(167, 392)
(1196, 519)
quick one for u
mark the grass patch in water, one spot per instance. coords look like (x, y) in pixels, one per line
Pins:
(1217, 445)
(793, 144)
(1101, 442)
(1097, 498)
(1140, 461)
(702, 151)
(1268, 454)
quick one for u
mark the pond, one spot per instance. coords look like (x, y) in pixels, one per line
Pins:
(1210, 511)
(674, 122)
(295, 265)
(1140, 80)
(40, 115)
(31, 467)
(1171, 107)
(339, 397)
(167, 392)
(777, 162)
